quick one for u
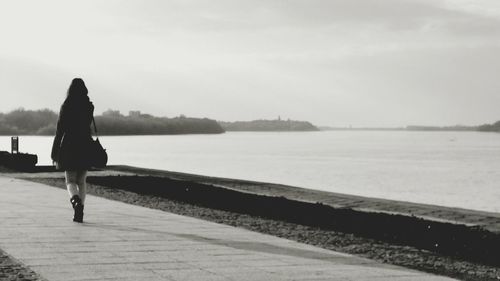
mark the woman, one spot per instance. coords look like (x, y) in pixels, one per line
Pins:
(72, 141)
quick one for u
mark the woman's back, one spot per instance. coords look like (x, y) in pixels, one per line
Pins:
(73, 133)
(76, 116)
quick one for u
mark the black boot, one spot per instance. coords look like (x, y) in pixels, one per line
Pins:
(78, 208)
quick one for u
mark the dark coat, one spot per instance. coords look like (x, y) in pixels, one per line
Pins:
(70, 148)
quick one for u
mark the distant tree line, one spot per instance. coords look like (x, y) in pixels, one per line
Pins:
(495, 127)
(268, 125)
(28, 122)
(112, 122)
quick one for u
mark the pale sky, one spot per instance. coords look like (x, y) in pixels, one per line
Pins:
(332, 62)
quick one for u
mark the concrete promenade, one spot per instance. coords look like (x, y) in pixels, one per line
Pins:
(125, 242)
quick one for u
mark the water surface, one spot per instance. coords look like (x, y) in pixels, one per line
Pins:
(459, 169)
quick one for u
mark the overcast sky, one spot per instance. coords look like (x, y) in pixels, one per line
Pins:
(332, 62)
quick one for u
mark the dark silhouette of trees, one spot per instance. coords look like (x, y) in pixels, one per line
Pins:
(495, 127)
(269, 125)
(149, 125)
(112, 122)
(22, 122)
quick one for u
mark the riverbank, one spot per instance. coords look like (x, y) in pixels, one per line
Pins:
(279, 210)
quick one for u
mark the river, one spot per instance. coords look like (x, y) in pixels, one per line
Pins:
(456, 169)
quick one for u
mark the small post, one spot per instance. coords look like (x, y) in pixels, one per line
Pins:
(14, 145)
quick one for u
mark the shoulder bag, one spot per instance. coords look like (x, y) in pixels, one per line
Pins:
(98, 155)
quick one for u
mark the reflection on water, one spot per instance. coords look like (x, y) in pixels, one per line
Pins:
(459, 169)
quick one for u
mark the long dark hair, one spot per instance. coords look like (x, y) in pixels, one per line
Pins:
(77, 89)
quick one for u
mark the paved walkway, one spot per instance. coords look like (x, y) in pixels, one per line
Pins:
(126, 242)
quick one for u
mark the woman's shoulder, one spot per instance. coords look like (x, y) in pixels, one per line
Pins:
(70, 105)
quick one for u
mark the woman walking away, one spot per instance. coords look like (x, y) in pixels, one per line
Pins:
(72, 141)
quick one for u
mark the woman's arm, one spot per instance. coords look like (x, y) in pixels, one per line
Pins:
(60, 130)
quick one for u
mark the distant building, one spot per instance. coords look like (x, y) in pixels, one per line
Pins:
(134, 113)
(111, 112)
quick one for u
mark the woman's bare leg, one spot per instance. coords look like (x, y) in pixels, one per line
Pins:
(82, 185)
(71, 183)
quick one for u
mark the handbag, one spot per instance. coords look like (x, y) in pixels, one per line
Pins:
(98, 155)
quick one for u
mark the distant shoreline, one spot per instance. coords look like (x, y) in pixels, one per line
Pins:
(299, 132)
(112, 123)
(407, 128)
(277, 125)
